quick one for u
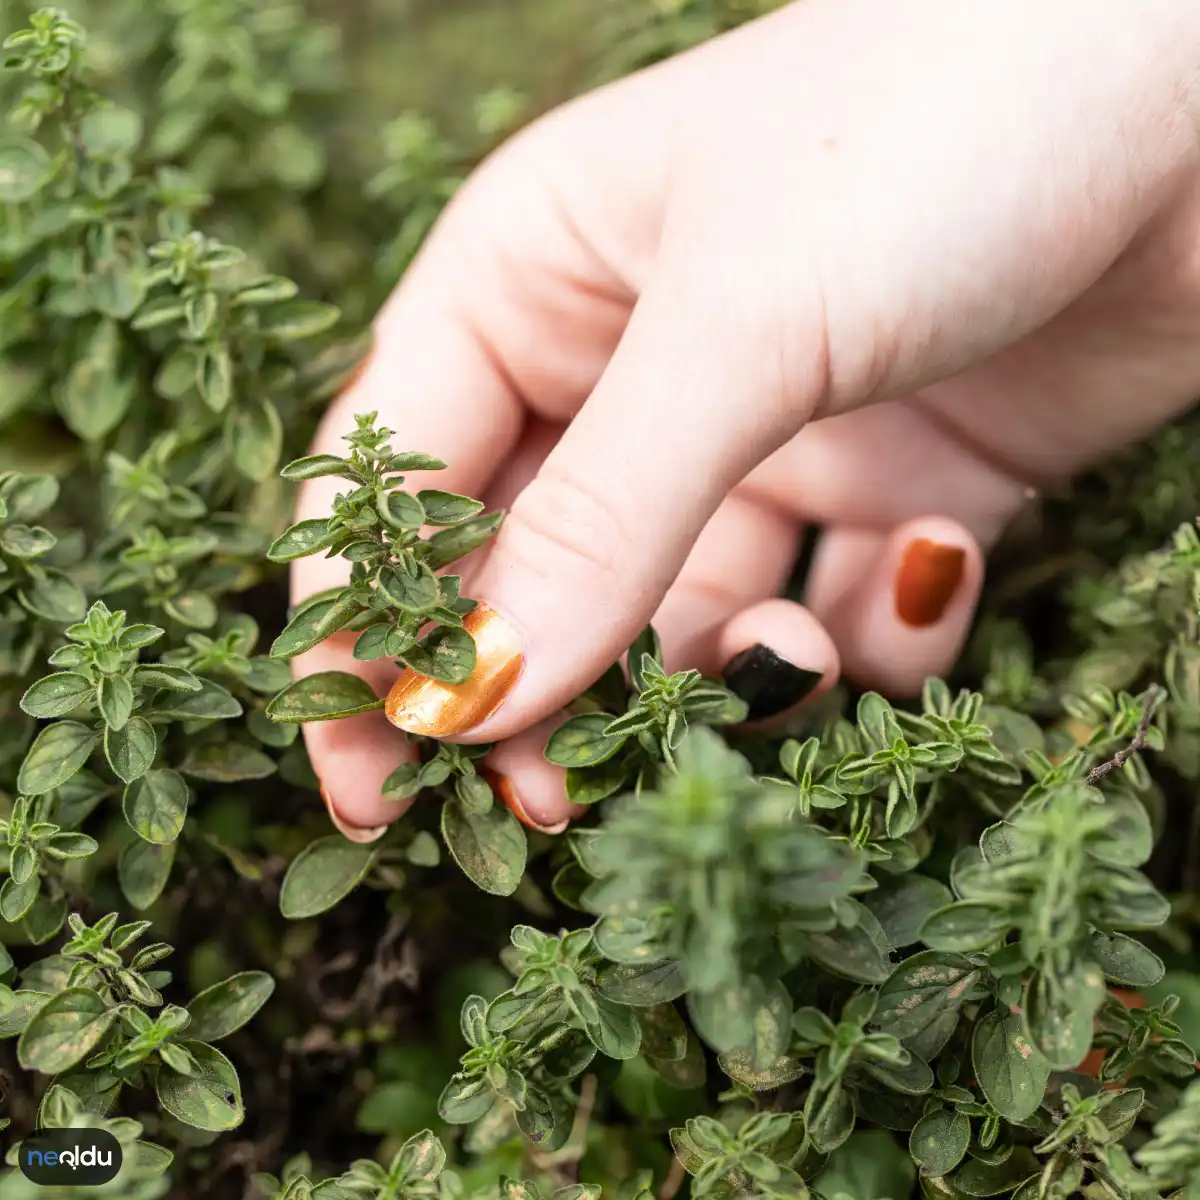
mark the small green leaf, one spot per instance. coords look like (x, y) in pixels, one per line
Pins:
(227, 762)
(739, 1066)
(56, 754)
(293, 320)
(314, 624)
(323, 873)
(1125, 960)
(1058, 1011)
(115, 697)
(226, 1006)
(256, 435)
(131, 750)
(16, 899)
(921, 991)
(1009, 1068)
(962, 926)
(489, 847)
(939, 1141)
(155, 806)
(317, 466)
(64, 1031)
(860, 953)
(143, 870)
(412, 593)
(447, 508)
(447, 655)
(324, 696)
(305, 537)
(582, 742)
(642, 984)
(24, 167)
(210, 1098)
(449, 545)
(56, 695)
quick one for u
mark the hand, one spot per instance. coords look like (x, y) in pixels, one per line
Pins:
(853, 264)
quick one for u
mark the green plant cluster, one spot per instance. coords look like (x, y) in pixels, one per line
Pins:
(944, 948)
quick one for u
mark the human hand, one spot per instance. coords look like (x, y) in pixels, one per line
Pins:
(853, 264)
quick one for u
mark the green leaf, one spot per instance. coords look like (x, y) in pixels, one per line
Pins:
(616, 1032)
(210, 1098)
(110, 131)
(447, 508)
(317, 466)
(582, 742)
(25, 1003)
(64, 1031)
(860, 953)
(979, 1178)
(323, 873)
(314, 624)
(131, 750)
(296, 319)
(143, 870)
(921, 991)
(227, 762)
(305, 537)
(449, 545)
(116, 701)
(1009, 1069)
(1125, 960)
(962, 926)
(56, 754)
(447, 655)
(324, 696)
(1058, 1012)
(24, 167)
(16, 899)
(54, 596)
(902, 904)
(56, 695)
(939, 1141)
(211, 703)
(155, 806)
(642, 984)
(226, 1006)
(489, 847)
(256, 434)
(412, 593)
(739, 1065)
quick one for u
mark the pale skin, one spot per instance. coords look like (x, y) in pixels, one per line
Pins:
(886, 268)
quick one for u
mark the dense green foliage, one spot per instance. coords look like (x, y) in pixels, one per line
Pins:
(882, 954)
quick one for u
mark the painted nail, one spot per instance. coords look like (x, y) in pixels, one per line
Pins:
(503, 787)
(418, 704)
(769, 684)
(928, 578)
(352, 833)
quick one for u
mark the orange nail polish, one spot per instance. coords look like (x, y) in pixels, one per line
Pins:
(502, 786)
(928, 578)
(418, 704)
(352, 833)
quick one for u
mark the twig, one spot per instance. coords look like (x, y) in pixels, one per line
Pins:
(1098, 772)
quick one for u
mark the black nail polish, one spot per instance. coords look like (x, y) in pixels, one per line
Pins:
(769, 684)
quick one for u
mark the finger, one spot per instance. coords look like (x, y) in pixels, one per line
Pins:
(777, 657)
(591, 546)
(352, 757)
(743, 555)
(897, 605)
(531, 788)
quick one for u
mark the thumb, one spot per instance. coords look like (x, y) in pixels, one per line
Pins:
(682, 413)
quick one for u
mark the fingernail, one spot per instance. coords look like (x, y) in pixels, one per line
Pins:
(503, 787)
(768, 683)
(418, 704)
(353, 833)
(928, 578)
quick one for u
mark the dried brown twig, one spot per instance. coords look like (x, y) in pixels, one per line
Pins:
(1153, 695)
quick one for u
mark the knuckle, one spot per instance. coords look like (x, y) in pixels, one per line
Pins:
(558, 526)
